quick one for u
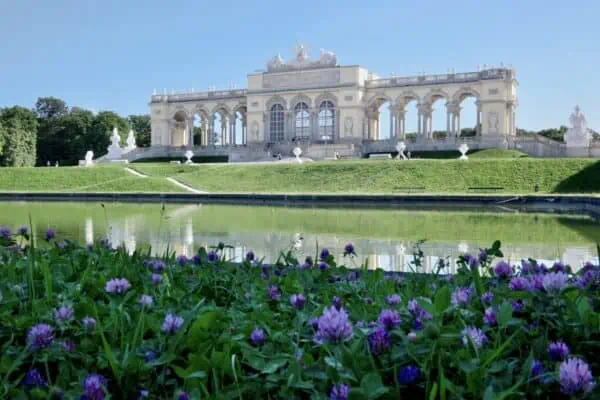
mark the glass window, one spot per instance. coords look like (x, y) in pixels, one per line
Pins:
(302, 120)
(326, 119)
(277, 123)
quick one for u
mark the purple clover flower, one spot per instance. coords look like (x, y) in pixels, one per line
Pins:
(314, 322)
(475, 336)
(94, 387)
(519, 284)
(409, 375)
(502, 270)
(417, 311)
(88, 323)
(555, 282)
(63, 314)
(323, 266)
(483, 256)
(40, 336)
(158, 266)
(212, 256)
(68, 346)
(273, 292)
(333, 327)
(258, 337)
(196, 259)
(324, 253)
(368, 300)
(183, 396)
(461, 297)
(489, 317)
(146, 301)
(298, 301)
(393, 300)
(23, 230)
(472, 262)
(156, 278)
(537, 369)
(558, 351)
(339, 392)
(182, 259)
(349, 249)
(518, 306)
(250, 256)
(536, 281)
(487, 298)
(5, 232)
(172, 324)
(117, 285)
(575, 377)
(50, 234)
(33, 379)
(379, 341)
(336, 302)
(304, 266)
(559, 266)
(389, 319)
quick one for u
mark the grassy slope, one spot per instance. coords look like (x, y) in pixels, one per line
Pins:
(389, 176)
(74, 179)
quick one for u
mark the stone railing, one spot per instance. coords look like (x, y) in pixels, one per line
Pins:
(496, 73)
(220, 94)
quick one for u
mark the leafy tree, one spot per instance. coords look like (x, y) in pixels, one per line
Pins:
(468, 132)
(19, 117)
(48, 108)
(19, 134)
(554, 134)
(142, 129)
(71, 136)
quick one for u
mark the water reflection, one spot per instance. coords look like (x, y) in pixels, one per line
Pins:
(382, 238)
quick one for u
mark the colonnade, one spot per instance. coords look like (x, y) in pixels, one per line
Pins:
(397, 124)
(227, 135)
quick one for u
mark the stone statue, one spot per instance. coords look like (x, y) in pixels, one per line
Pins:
(189, 154)
(276, 63)
(301, 54)
(114, 150)
(464, 148)
(328, 58)
(131, 141)
(578, 135)
(89, 157)
(298, 152)
(401, 147)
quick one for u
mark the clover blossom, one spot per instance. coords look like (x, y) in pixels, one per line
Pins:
(409, 375)
(389, 319)
(339, 392)
(393, 300)
(117, 285)
(575, 376)
(555, 282)
(94, 387)
(257, 337)
(475, 336)
(40, 336)
(502, 270)
(333, 326)
(558, 351)
(379, 341)
(63, 314)
(172, 324)
(298, 301)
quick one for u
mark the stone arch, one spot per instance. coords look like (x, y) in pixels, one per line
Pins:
(464, 92)
(179, 128)
(222, 108)
(179, 112)
(202, 111)
(325, 97)
(241, 108)
(300, 98)
(378, 99)
(406, 97)
(276, 100)
(435, 94)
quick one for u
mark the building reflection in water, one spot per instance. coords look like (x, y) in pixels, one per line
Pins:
(179, 234)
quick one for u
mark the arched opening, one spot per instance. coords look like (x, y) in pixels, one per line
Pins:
(239, 136)
(409, 119)
(179, 130)
(326, 121)
(439, 118)
(301, 122)
(468, 116)
(276, 123)
(216, 136)
(200, 129)
(381, 121)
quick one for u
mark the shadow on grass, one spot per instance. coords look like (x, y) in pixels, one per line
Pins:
(585, 181)
(587, 228)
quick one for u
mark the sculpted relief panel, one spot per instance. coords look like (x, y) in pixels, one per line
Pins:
(301, 80)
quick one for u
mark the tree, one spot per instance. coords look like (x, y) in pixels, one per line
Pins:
(101, 130)
(48, 108)
(142, 128)
(19, 117)
(19, 134)
(70, 138)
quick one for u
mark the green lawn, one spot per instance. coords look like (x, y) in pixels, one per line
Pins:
(110, 178)
(517, 175)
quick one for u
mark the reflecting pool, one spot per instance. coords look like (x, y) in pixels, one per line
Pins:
(384, 238)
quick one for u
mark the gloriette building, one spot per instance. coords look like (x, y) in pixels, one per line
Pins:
(324, 107)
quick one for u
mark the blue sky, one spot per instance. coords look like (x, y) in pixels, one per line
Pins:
(109, 54)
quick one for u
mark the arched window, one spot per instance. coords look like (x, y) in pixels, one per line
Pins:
(276, 125)
(326, 119)
(302, 120)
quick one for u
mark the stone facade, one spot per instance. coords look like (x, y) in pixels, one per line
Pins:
(320, 103)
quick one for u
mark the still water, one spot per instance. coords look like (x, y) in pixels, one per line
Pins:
(384, 238)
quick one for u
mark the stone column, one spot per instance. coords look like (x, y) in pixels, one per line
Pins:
(336, 126)
(244, 131)
(448, 132)
(211, 131)
(231, 129)
(458, 121)
(402, 123)
(392, 132)
(477, 127)
(191, 141)
(419, 123)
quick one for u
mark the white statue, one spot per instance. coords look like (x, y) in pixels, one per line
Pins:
(301, 54)
(89, 157)
(131, 141)
(189, 154)
(401, 147)
(578, 135)
(464, 148)
(298, 152)
(328, 58)
(114, 150)
(276, 63)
